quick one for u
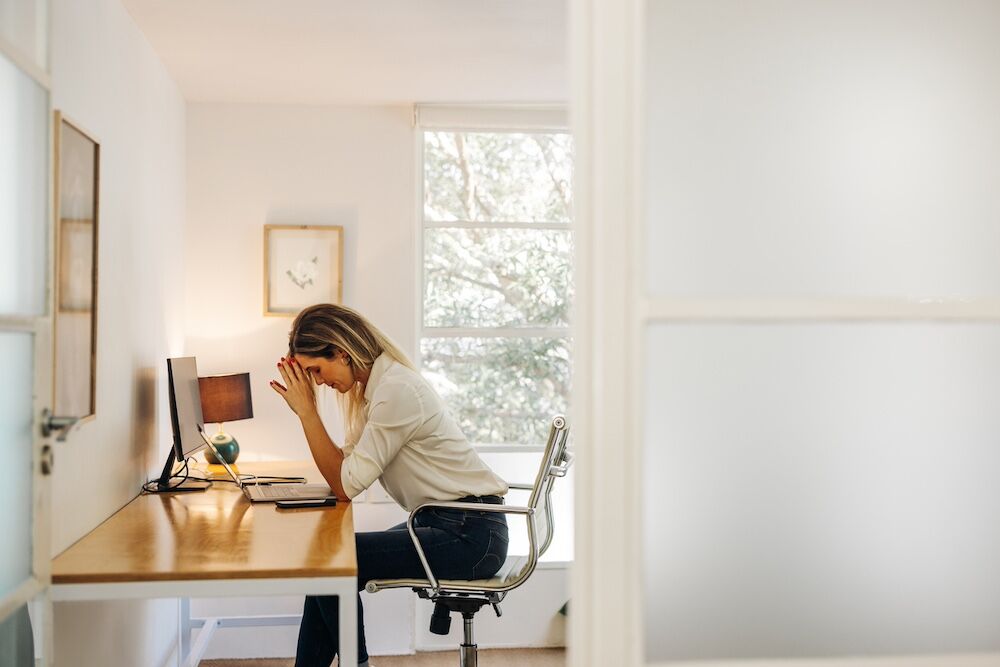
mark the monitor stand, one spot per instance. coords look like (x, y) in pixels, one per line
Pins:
(165, 485)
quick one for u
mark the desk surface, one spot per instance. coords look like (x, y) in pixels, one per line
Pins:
(214, 534)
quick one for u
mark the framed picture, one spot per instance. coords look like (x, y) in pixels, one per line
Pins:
(76, 185)
(303, 265)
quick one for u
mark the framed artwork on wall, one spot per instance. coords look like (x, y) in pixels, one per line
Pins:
(76, 185)
(303, 265)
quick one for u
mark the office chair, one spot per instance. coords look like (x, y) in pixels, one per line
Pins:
(469, 596)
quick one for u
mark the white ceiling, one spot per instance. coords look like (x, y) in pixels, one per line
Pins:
(360, 51)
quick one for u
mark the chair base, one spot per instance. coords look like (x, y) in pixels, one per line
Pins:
(468, 653)
(468, 656)
(467, 606)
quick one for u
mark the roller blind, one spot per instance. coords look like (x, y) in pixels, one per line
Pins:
(551, 118)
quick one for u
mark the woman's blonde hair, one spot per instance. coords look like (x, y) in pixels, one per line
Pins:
(323, 330)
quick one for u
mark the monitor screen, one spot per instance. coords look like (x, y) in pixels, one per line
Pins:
(185, 406)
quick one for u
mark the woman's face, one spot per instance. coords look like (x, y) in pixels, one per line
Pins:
(335, 372)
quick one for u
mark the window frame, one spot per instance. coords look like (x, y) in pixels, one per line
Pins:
(422, 224)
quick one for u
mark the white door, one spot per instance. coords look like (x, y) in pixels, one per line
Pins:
(788, 332)
(25, 330)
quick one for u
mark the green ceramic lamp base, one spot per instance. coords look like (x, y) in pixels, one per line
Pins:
(228, 448)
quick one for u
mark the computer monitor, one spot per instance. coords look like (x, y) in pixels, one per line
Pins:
(185, 420)
(185, 406)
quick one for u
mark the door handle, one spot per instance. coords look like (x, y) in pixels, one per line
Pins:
(52, 423)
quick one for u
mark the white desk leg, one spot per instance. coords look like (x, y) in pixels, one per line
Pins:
(183, 630)
(40, 612)
(348, 601)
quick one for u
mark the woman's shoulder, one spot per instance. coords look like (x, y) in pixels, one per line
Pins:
(398, 374)
(400, 382)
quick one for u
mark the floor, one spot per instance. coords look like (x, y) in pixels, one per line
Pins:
(522, 657)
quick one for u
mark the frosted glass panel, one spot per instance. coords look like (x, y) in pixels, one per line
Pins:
(24, 25)
(821, 490)
(16, 360)
(24, 122)
(822, 148)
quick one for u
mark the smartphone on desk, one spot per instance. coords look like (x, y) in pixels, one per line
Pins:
(292, 504)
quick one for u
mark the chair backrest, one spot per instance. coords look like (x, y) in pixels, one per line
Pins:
(555, 463)
(517, 567)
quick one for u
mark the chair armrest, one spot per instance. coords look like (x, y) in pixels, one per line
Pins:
(522, 487)
(473, 507)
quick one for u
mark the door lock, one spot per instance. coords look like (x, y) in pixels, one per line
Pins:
(48, 460)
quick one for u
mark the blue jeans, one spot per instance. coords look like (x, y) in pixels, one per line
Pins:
(458, 544)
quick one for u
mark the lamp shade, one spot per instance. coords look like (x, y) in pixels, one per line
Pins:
(225, 398)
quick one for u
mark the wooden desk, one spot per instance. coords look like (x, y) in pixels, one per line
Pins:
(217, 544)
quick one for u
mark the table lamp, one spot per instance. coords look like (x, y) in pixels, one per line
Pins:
(225, 398)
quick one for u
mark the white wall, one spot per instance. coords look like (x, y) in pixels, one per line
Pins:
(820, 488)
(106, 77)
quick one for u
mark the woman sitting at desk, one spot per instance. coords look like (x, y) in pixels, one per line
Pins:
(399, 432)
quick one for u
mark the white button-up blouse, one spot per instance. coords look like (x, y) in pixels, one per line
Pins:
(412, 444)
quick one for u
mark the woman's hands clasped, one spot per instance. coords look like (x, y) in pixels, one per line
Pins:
(298, 390)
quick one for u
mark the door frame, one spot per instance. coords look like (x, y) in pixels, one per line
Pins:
(35, 591)
(605, 55)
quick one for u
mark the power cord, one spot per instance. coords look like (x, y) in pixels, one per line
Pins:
(182, 475)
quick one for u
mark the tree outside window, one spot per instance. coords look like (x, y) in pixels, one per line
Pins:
(497, 259)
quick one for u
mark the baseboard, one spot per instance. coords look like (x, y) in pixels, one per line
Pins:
(481, 647)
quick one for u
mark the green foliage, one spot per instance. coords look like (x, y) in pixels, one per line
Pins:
(502, 390)
(497, 277)
(497, 176)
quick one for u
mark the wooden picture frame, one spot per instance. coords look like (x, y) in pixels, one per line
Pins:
(76, 194)
(303, 265)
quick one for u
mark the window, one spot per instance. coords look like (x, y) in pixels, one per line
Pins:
(496, 286)
(497, 280)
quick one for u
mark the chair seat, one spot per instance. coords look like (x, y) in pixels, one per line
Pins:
(507, 575)
(508, 572)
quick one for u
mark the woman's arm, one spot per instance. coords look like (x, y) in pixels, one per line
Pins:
(300, 395)
(328, 456)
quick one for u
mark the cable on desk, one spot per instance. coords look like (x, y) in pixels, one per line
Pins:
(152, 486)
(182, 475)
(250, 478)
